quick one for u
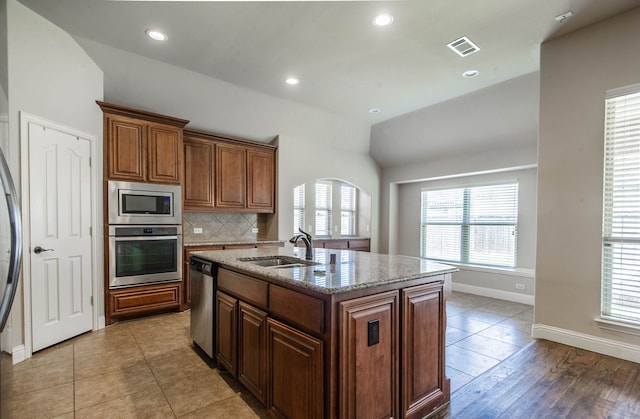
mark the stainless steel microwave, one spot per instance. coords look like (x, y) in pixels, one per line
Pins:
(144, 203)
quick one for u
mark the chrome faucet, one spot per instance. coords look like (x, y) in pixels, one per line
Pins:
(306, 238)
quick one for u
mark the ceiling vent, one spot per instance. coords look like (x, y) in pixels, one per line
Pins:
(463, 46)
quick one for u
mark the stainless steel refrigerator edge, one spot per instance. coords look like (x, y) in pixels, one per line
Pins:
(202, 294)
(10, 221)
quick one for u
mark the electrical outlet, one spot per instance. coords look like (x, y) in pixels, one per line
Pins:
(520, 287)
(255, 230)
(373, 332)
(197, 230)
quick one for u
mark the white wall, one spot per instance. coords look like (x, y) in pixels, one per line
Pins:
(409, 207)
(51, 77)
(576, 71)
(312, 143)
(400, 190)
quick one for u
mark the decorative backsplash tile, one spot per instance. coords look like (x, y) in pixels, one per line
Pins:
(219, 227)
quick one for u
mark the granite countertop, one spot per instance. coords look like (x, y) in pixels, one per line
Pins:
(353, 270)
(228, 243)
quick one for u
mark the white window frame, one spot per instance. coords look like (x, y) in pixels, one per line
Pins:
(620, 286)
(464, 224)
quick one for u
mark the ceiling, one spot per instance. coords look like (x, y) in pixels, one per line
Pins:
(345, 64)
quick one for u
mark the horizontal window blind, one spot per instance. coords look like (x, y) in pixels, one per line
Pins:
(621, 207)
(475, 225)
(347, 210)
(323, 208)
(298, 208)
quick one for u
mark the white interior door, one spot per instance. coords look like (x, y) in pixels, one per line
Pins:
(60, 220)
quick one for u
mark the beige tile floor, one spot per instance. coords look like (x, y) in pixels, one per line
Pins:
(147, 368)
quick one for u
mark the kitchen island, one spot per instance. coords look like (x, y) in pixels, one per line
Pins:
(361, 337)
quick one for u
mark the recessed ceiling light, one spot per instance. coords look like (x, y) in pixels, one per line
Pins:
(292, 81)
(156, 34)
(383, 19)
(470, 74)
(374, 110)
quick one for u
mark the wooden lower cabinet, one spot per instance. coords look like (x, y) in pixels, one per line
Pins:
(424, 384)
(362, 245)
(295, 371)
(129, 302)
(227, 329)
(368, 384)
(252, 350)
(350, 355)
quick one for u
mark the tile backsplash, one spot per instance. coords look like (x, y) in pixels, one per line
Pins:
(219, 227)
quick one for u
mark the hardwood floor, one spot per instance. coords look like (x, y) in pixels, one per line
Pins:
(551, 380)
(147, 368)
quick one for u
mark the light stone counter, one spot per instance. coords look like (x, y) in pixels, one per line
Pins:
(353, 270)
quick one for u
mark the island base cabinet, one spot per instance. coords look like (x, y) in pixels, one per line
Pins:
(227, 332)
(295, 371)
(368, 383)
(424, 385)
(252, 354)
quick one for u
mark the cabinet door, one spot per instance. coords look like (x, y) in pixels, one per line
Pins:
(128, 302)
(125, 145)
(164, 151)
(231, 176)
(368, 385)
(424, 385)
(252, 350)
(261, 180)
(198, 179)
(295, 373)
(227, 327)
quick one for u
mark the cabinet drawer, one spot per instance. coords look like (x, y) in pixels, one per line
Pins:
(297, 309)
(140, 300)
(248, 289)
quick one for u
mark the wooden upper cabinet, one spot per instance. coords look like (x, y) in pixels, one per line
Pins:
(231, 176)
(142, 146)
(261, 180)
(199, 157)
(125, 138)
(228, 174)
(164, 150)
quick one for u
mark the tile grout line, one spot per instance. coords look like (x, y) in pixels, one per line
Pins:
(146, 360)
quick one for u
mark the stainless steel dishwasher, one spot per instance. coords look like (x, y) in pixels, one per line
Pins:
(202, 292)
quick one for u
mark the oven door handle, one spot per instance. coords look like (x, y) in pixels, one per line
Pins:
(129, 238)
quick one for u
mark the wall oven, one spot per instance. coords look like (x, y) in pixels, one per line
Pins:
(144, 254)
(144, 203)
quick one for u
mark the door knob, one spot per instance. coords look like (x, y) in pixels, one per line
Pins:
(37, 250)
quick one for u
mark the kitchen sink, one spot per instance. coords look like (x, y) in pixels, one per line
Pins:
(278, 261)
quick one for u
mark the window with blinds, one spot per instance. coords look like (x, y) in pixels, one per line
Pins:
(621, 206)
(347, 210)
(473, 225)
(323, 209)
(298, 208)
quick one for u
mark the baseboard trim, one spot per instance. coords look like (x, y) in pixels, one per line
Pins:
(101, 322)
(18, 354)
(591, 343)
(494, 293)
